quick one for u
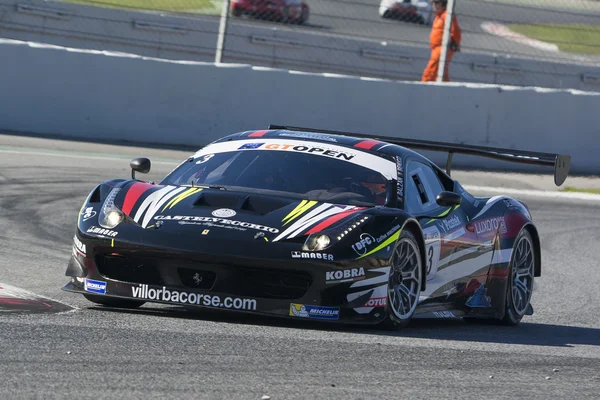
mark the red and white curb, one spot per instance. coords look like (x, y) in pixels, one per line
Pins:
(503, 32)
(16, 300)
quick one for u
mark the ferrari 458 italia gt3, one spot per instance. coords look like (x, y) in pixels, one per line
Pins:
(312, 224)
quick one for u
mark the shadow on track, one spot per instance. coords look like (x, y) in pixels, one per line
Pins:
(451, 329)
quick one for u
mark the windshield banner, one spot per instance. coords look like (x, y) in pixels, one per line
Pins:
(386, 167)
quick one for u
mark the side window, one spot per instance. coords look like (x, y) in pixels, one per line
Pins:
(422, 187)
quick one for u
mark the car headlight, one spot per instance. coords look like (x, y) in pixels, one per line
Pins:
(316, 243)
(110, 216)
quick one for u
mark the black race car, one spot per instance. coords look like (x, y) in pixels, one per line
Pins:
(312, 224)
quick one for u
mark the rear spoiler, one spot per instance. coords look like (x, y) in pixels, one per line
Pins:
(561, 163)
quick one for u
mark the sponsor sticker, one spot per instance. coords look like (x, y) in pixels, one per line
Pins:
(451, 223)
(321, 150)
(376, 302)
(88, 213)
(98, 287)
(311, 255)
(79, 246)
(400, 173)
(443, 314)
(366, 240)
(316, 312)
(214, 221)
(102, 231)
(496, 224)
(250, 146)
(346, 275)
(309, 136)
(145, 292)
(224, 213)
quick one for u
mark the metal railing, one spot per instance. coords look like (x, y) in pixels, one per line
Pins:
(546, 43)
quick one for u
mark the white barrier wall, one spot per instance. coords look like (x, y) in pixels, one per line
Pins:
(86, 94)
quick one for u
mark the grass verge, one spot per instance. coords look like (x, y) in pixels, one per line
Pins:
(570, 38)
(574, 189)
(154, 5)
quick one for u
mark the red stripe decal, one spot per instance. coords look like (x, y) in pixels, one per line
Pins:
(133, 195)
(329, 221)
(258, 133)
(367, 144)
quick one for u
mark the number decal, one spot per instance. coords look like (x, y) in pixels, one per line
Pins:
(429, 259)
(433, 243)
(204, 158)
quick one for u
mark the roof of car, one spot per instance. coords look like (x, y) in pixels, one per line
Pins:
(363, 144)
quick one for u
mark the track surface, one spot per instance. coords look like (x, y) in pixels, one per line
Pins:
(158, 352)
(361, 18)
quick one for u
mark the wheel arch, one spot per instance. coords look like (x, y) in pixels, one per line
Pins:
(415, 228)
(537, 268)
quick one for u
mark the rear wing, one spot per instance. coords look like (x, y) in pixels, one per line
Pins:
(560, 163)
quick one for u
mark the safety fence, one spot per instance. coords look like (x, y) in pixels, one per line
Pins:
(545, 43)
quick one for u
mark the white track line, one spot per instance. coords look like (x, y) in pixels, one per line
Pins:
(535, 193)
(65, 154)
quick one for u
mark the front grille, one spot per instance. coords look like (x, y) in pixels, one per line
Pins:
(231, 279)
(127, 269)
(269, 284)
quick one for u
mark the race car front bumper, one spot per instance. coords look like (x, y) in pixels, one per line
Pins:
(343, 292)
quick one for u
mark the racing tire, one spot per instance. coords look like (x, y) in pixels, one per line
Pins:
(387, 14)
(236, 12)
(404, 283)
(285, 15)
(420, 20)
(519, 286)
(303, 17)
(114, 302)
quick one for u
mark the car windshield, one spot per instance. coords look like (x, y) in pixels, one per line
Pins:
(285, 173)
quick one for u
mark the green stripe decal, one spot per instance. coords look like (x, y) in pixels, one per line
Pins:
(443, 214)
(389, 241)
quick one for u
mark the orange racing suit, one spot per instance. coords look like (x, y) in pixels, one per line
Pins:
(435, 40)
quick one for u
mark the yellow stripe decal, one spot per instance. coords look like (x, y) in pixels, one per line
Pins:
(389, 241)
(112, 243)
(300, 209)
(443, 214)
(181, 196)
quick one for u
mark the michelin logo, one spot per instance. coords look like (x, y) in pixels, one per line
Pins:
(315, 312)
(97, 287)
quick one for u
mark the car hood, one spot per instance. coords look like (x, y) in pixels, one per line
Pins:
(230, 213)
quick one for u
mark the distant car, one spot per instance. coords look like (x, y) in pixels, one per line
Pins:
(286, 11)
(417, 11)
(315, 225)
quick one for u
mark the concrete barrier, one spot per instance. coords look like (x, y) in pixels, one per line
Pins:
(174, 37)
(95, 95)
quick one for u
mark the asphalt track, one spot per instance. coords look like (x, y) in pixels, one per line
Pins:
(162, 351)
(360, 18)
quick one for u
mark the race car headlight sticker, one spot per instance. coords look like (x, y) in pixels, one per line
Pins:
(316, 243)
(110, 216)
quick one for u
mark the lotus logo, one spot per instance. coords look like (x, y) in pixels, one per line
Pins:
(223, 213)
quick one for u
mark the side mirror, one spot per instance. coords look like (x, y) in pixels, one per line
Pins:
(141, 165)
(448, 199)
(445, 199)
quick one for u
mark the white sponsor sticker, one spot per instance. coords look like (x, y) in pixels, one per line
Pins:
(174, 296)
(355, 156)
(224, 213)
